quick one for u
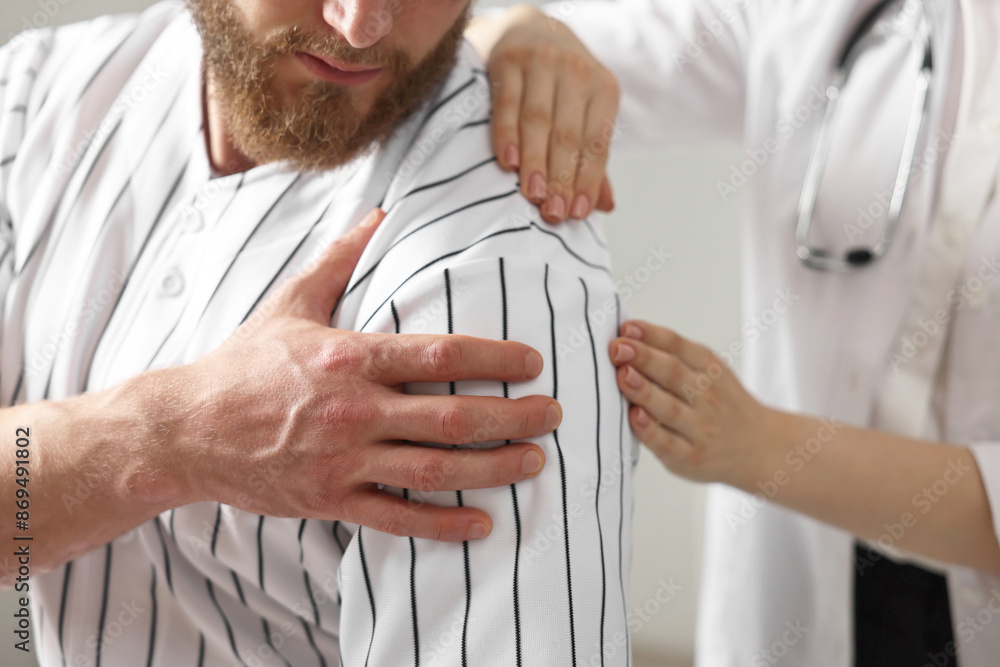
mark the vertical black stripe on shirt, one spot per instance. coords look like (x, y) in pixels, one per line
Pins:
(260, 553)
(225, 621)
(312, 642)
(270, 643)
(368, 585)
(62, 608)
(246, 242)
(215, 529)
(104, 64)
(458, 494)
(513, 490)
(104, 605)
(336, 537)
(152, 625)
(305, 574)
(621, 492)
(201, 649)
(166, 558)
(285, 264)
(562, 466)
(413, 546)
(239, 587)
(597, 440)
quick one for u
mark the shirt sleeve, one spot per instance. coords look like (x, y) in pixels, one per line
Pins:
(987, 455)
(549, 585)
(680, 63)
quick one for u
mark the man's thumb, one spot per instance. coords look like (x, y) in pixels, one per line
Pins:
(323, 282)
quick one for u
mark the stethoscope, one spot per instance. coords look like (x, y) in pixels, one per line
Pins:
(856, 258)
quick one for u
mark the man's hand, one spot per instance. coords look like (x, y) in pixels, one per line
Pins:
(554, 110)
(307, 421)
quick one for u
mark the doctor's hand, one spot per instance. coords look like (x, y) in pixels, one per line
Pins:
(554, 110)
(687, 406)
(291, 418)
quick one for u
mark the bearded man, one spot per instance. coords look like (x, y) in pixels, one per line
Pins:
(219, 369)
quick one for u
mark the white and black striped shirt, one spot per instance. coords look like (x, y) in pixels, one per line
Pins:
(120, 252)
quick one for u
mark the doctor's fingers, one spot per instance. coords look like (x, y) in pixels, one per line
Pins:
(663, 406)
(698, 357)
(564, 138)
(535, 124)
(664, 368)
(675, 451)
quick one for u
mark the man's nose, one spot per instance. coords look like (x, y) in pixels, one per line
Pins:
(361, 22)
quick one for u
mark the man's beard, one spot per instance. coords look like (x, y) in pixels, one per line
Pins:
(320, 128)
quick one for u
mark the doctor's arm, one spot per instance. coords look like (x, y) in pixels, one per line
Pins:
(927, 498)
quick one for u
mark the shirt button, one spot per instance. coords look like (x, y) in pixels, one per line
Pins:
(192, 220)
(172, 283)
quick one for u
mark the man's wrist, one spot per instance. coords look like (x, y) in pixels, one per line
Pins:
(151, 409)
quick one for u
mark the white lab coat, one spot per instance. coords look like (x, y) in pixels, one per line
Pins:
(778, 586)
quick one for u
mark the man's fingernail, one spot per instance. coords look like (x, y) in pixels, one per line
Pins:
(624, 353)
(533, 364)
(557, 207)
(641, 418)
(580, 207)
(531, 463)
(536, 188)
(632, 331)
(513, 157)
(553, 416)
(478, 531)
(632, 378)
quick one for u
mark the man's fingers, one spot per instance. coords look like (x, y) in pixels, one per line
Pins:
(410, 518)
(320, 284)
(447, 358)
(460, 420)
(429, 469)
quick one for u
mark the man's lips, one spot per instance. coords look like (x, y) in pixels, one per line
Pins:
(335, 71)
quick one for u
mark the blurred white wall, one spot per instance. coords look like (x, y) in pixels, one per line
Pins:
(663, 198)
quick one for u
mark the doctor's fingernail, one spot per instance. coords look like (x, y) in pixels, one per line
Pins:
(641, 417)
(624, 353)
(581, 205)
(632, 331)
(536, 188)
(478, 531)
(632, 378)
(556, 208)
(512, 157)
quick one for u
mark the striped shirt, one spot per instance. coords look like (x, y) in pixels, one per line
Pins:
(121, 253)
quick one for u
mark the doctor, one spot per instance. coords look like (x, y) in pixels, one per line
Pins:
(859, 517)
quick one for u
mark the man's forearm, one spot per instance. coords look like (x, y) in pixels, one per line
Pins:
(97, 465)
(923, 497)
